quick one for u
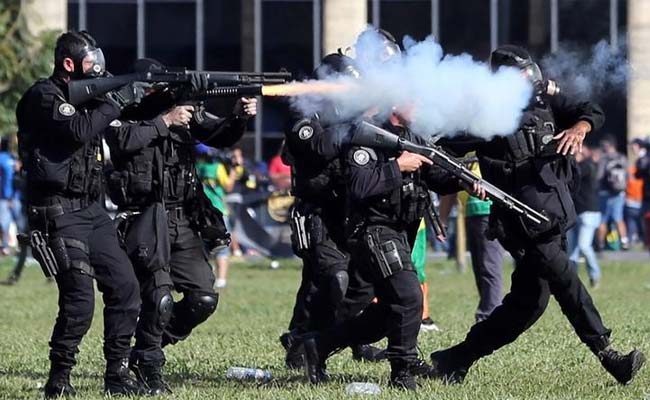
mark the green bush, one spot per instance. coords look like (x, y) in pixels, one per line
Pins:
(23, 59)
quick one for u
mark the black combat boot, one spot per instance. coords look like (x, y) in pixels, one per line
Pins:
(315, 357)
(449, 365)
(118, 381)
(401, 376)
(367, 352)
(294, 358)
(622, 367)
(58, 384)
(149, 376)
(420, 368)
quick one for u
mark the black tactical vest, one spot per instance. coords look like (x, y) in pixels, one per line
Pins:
(55, 168)
(526, 165)
(164, 171)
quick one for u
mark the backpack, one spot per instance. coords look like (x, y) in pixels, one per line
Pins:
(615, 175)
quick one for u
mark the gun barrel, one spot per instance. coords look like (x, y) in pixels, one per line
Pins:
(226, 91)
(374, 136)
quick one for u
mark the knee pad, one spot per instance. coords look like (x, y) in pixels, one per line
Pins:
(338, 286)
(164, 309)
(200, 305)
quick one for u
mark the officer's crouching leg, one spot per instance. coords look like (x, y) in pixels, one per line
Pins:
(194, 309)
(76, 306)
(156, 312)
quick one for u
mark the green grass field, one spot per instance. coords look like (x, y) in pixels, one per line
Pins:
(547, 362)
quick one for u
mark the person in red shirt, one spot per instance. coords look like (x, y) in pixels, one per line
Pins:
(279, 172)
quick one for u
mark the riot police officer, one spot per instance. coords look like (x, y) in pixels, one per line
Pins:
(327, 293)
(387, 198)
(71, 235)
(167, 219)
(532, 165)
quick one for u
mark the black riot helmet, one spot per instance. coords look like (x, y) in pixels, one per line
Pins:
(518, 57)
(374, 45)
(336, 64)
(82, 48)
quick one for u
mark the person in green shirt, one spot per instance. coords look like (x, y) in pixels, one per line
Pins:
(419, 257)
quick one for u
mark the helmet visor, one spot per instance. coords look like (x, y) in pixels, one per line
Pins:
(93, 63)
(532, 73)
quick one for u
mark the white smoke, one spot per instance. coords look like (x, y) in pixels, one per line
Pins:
(440, 94)
(588, 74)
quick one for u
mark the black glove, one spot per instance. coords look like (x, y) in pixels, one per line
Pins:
(197, 85)
(128, 94)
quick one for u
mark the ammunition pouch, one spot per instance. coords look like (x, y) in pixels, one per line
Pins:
(414, 202)
(388, 250)
(146, 238)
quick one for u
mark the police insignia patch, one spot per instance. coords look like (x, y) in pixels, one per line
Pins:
(67, 109)
(361, 157)
(116, 123)
(305, 132)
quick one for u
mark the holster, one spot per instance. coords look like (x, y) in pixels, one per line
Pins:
(300, 238)
(385, 253)
(209, 222)
(39, 222)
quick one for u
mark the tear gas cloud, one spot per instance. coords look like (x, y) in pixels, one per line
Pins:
(588, 74)
(438, 93)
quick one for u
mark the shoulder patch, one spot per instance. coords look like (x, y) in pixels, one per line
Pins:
(67, 109)
(303, 129)
(116, 123)
(306, 132)
(361, 157)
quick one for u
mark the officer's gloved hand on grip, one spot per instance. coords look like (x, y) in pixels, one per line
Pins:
(178, 116)
(128, 94)
(245, 107)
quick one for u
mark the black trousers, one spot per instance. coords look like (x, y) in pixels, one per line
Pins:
(314, 309)
(397, 314)
(542, 269)
(115, 280)
(189, 273)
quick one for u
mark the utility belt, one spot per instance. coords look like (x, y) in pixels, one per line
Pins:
(66, 204)
(51, 253)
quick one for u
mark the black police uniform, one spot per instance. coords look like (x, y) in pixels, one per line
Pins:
(385, 207)
(61, 150)
(314, 154)
(527, 166)
(154, 183)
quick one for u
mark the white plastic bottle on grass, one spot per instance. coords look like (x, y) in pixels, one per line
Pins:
(248, 374)
(362, 388)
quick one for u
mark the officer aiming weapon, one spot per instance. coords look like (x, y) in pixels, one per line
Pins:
(373, 136)
(221, 84)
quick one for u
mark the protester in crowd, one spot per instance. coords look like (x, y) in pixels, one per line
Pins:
(419, 258)
(7, 168)
(634, 195)
(585, 199)
(486, 254)
(217, 181)
(643, 172)
(612, 174)
(279, 172)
